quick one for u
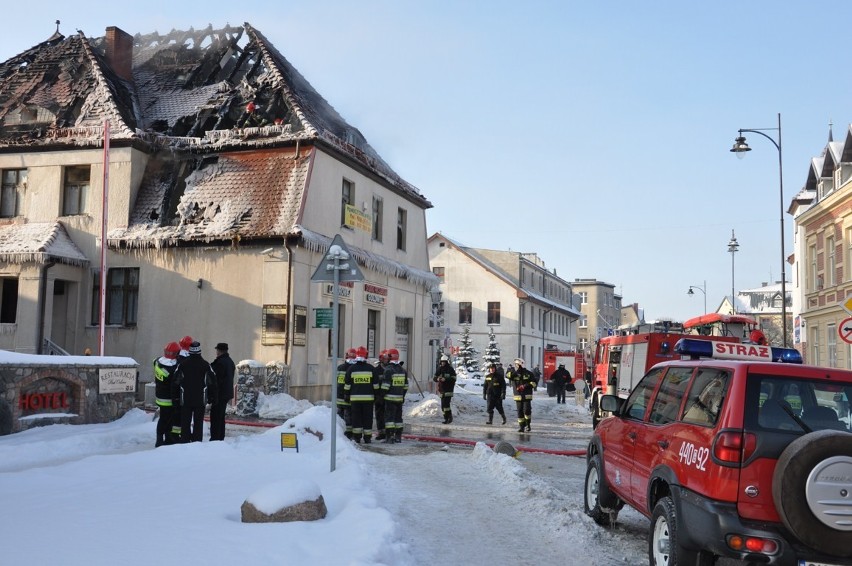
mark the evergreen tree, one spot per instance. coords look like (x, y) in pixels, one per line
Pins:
(492, 351)
(467, 353)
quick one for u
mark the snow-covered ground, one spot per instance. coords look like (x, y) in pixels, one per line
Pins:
(101, 494)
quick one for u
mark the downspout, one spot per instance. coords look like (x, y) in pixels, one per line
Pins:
(42, 304)
(288, 340)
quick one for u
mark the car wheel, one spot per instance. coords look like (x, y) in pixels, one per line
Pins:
(600, 503)
(595, 412)
(812, 490)
(663, 546)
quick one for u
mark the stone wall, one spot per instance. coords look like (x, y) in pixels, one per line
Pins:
(253, 379)
(54, 391)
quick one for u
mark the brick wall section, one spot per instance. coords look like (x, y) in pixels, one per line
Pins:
(77, 384)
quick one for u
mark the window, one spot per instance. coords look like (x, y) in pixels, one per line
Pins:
(347, 198)
(584, 321)
(401, 227)
(439, 273)
(704, 402)
(493, 313)
(122, 296)
(465, 313)
(377, 218)
(76, 190)
(374, 319)
(634, 407)
(12, 192)
(584, 342)
(814, 346)
(584, 297)
(831, 344)
(8, 300)
(667, 403)
(523, 310)
(832, 263)
(812, 257)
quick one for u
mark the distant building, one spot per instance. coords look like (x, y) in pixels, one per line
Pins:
(764, 305)
(528, 307)
(600, 312)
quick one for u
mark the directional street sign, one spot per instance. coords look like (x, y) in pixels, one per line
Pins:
(348, 269)
(845, 330)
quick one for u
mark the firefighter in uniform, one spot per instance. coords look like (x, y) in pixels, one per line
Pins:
(196, 383)
(379, 404)
(342, 404)
(523, 386)
(445, 377)
(360, 386)
(394, 388)
(164, 369)
(494, 392)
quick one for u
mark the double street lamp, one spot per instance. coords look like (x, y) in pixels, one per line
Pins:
(733, 247)
(740, 147)
(703, 290)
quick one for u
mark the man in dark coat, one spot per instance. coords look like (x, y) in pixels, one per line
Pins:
(195, 383)
(494, 392)
(224, 368)
(445, 377)
(560, 378)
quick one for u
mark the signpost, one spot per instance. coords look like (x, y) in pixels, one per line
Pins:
(845, 330)
(337, 265)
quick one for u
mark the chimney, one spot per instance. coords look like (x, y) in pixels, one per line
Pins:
(119, 52)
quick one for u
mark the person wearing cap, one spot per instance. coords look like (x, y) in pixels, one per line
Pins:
(164, 370)
(445, 377)
(379, 405)
(224, 368)
(360, 386)
(560, 378)
(195, 383)
(494, 392)
(523, 387)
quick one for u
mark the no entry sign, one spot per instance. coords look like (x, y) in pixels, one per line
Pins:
(845, 330)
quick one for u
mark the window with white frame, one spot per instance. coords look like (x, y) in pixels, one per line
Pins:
(12, 192)
(584, 321)
(832, 263)
(814, 346)
(831, 344)
(584, 297)
(812, 273)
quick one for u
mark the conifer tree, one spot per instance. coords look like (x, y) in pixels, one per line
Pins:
(467, 353)
(492, 351)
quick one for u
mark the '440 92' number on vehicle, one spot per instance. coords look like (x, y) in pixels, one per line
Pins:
(692, 456)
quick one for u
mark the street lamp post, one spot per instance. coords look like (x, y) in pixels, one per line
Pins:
(733, 247)
(703, 289)
(740, 147)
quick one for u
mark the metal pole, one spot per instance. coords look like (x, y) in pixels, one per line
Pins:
(783, 255)
(334, 353)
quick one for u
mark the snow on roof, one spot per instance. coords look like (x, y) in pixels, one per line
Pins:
(39, 242)
(18, 359)
(318, 243)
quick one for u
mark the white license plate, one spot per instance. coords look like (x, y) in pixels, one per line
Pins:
(809, 563)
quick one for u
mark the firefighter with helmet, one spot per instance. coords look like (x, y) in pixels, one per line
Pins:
(360, 386)
(379, 405)
(343, 405)
(523, 387)
(445, 377)
(164, 369)
(394, 388)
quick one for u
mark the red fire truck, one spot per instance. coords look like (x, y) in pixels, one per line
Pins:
(623, 359)
(573, 361)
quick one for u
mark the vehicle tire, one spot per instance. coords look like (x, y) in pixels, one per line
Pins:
(663, 546)
(600, 503)
(812, 470)
(596, 416)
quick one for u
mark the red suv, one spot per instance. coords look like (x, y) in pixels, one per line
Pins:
(730, 453)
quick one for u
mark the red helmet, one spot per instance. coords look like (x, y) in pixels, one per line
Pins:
(383, 356)
(350, 354)
(758, 337)
(251, 107)
(393, 355)
(361, 353)
(171, 350)
(186, 342)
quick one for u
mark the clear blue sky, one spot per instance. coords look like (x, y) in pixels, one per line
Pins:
(593, 133)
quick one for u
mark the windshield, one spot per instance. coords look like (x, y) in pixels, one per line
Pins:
(797, 404)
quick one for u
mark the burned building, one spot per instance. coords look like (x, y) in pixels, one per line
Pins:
(228, 176)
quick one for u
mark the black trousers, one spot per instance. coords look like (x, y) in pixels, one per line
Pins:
(560, 393)
(164, 426)
(362, 419)
(495, 401)
(524, 411)
(380, 415)
(191, 424)
(217, 420)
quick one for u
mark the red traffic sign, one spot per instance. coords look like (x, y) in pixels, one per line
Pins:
(845, 330)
